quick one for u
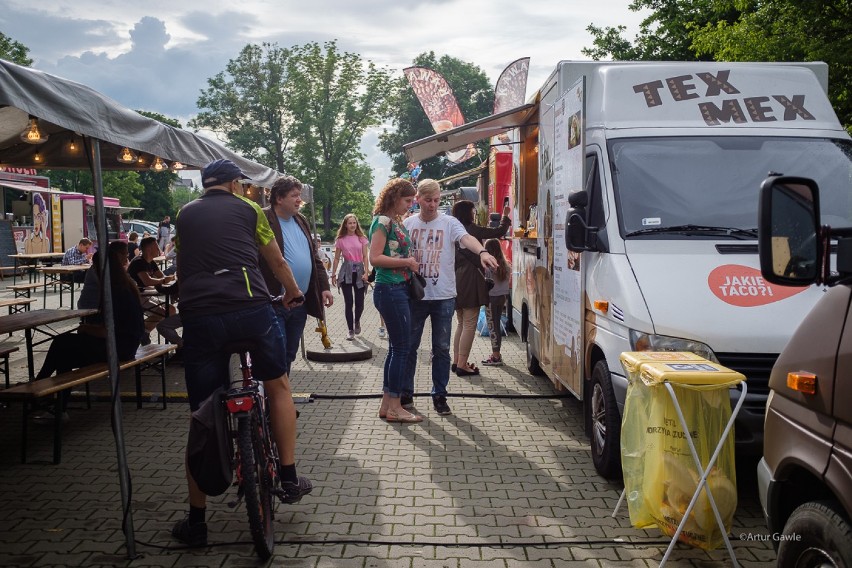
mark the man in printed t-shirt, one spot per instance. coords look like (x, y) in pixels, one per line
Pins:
(434, 235)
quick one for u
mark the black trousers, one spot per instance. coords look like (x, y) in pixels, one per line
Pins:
(353, 299)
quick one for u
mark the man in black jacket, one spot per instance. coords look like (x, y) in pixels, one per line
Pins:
(294, 237)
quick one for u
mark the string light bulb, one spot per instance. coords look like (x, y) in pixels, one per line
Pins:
(177, 166)
(37, 158)
(72, 146)
(126, 156)
(158, 165)
(32, 134)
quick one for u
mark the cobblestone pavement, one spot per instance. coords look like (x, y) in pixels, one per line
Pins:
(502, 482)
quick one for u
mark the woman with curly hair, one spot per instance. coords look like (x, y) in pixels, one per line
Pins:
(390, 254)
(351, 245)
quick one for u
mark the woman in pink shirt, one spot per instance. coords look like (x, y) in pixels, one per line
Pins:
(352, 245)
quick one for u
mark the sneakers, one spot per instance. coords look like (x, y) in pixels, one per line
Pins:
(407, 402)
(192, 535)
(351, 336)
(441, 406)
(357, 329)
(382, 334)
(293, 492)
(493, 361)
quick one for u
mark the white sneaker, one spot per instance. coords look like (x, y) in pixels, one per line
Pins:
(350, 336)
(382, 333)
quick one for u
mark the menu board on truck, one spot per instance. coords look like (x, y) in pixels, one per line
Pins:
(569, 155)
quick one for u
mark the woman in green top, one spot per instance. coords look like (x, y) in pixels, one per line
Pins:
(390, 247)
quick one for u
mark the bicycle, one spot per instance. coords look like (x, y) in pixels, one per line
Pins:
(256, 457)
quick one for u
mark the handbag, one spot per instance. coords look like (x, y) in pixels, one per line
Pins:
(416, 286)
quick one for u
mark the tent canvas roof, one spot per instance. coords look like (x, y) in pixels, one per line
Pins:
(67, 110)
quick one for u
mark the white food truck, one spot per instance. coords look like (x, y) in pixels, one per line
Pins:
(634, 188)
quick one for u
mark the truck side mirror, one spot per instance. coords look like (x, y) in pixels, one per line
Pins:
(789, 239)
(576, 231)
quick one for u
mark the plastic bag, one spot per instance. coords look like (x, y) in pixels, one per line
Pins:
(482, 324)
(660, 476)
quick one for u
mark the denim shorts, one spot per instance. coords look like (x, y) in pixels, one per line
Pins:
(206, 361)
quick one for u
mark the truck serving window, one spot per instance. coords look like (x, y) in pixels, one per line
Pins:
(712, 183)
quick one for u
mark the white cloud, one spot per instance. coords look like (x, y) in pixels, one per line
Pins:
(157, 55)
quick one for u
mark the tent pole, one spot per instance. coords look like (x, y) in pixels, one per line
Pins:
(112, 354)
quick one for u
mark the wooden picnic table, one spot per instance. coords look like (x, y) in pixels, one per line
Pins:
(53, 275)
(38, 321)
(32, 260)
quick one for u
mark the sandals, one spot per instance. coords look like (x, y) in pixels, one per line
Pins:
(403, 417)
(465, 373)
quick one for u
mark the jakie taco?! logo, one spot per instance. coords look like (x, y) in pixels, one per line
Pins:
(744, 286)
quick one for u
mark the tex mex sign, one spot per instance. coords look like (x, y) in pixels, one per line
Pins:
(720, 100)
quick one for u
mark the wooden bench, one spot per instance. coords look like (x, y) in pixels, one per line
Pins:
(4, 269)
(148, 356)
(25, 290)
(4, 356)
(16, 305)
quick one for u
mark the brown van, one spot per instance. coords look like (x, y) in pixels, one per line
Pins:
(805, 475)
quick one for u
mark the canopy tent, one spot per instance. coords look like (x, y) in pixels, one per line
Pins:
(100, 127)
(68, 111)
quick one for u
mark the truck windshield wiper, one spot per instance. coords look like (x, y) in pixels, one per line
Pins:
(732, 232)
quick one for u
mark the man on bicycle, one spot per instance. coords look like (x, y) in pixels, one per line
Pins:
(224, 299)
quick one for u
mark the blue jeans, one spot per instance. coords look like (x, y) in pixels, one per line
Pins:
(292, 322)
(393, 304)
(441, 313)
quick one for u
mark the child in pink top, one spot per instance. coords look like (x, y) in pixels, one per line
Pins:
(351, 245)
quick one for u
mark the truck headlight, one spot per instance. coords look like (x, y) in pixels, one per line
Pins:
(640, 341)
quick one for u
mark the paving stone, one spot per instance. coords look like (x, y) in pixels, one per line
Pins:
(497, 470)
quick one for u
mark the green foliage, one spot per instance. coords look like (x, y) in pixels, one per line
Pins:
(741, 30)
(336, 97)
(248, 105)
(156, 198)
(301, 110)
(124, 185)
(788, 30)
(182, 195)
(14, 51)
(475, 96)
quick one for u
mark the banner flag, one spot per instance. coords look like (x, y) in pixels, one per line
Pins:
(440, 105)
(509, 93)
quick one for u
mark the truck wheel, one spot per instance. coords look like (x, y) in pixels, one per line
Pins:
(532, 363)
(605, 423)
(816, 534)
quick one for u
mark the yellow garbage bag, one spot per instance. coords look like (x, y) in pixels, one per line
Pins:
(660, 476)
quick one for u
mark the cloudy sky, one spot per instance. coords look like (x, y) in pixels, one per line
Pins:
(157, 55)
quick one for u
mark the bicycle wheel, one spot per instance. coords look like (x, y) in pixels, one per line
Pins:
(256, 484)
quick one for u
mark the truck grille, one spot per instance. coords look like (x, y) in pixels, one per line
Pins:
(755, 366)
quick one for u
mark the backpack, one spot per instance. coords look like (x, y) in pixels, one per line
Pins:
(209, 451)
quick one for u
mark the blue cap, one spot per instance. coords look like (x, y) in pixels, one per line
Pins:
(219, 172)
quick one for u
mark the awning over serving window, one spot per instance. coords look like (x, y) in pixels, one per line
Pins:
(471, 132)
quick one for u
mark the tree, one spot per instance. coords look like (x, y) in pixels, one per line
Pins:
(336, 97)
(249, 107)
(475, 97)
(181, 195)
(156, 199)
(664, 35)
(124, 185)
(14, 51)
(301, 110)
